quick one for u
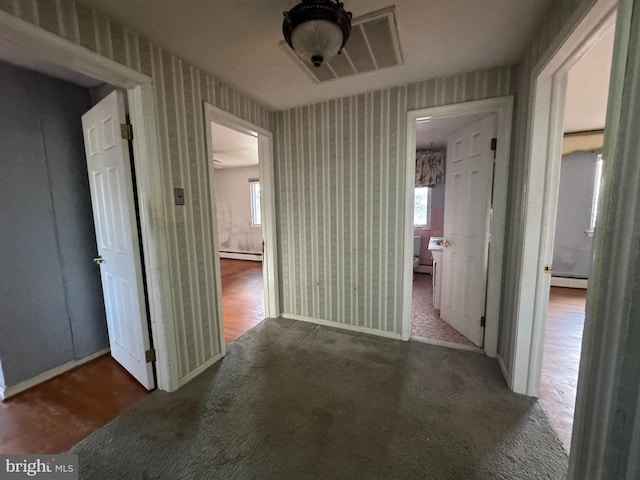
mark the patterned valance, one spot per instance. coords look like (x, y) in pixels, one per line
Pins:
(429, 167)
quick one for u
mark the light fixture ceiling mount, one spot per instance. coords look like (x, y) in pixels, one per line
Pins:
(317, 29)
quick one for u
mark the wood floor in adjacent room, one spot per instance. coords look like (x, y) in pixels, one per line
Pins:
(57, 414)
(242, 296)
(562, 344)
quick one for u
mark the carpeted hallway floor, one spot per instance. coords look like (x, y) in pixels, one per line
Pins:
(293, 400)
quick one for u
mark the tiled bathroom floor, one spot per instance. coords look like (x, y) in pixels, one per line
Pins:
(425, 321)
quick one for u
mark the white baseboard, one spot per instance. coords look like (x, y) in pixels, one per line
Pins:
(256, 257)
(43, 377)
(443, 343)
(343, 326)
(569, 282)
(505, 373)
(193, 374)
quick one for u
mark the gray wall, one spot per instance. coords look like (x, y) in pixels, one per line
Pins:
(572, 247)
(51, 307)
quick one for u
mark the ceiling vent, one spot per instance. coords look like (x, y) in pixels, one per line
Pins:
(373, 45)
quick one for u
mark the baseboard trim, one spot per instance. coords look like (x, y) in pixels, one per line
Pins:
(194, 373)
(505, 373)
(255, 257)
(343, 326)
(443, 343)
(48, 375)
(567, 282)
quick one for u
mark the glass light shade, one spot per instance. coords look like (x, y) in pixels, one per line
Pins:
(316, 38)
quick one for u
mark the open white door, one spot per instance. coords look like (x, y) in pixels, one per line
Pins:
(466, 227)
(114, 217)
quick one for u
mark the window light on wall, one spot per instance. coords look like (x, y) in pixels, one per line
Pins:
(254, 192)
(597, 186)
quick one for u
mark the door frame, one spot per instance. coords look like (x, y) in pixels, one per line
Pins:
(214, 114)
(503, 108)
(140, 95)
(544, 153)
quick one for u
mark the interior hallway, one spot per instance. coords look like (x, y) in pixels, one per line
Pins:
(562, 345)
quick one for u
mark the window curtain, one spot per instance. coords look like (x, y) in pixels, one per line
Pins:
(429, 167)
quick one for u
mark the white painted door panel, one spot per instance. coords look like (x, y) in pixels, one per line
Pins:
(469, 177)
(114, 214)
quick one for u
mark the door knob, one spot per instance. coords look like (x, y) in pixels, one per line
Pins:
(98, 260)
(446, 243)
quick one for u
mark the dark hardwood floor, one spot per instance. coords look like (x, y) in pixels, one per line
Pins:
(242, 296)
(562, 345)
(55, 415)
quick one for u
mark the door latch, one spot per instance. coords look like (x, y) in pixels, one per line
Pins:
(548, 268)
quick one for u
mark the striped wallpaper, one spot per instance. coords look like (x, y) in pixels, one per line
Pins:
(180, 90)
(552, 24)
(340, 182)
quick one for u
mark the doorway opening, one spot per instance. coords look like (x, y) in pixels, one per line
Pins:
(438, 141)
(549, 83)
(243, 206)
(237, 188)
(54, 319)
(580, 181)
(467, 129)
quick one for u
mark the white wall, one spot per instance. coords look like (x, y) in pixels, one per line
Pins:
(233, 205)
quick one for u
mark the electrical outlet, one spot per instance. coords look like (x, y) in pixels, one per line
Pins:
(178, 194)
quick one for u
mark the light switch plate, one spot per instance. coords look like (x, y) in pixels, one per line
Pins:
(178, 194)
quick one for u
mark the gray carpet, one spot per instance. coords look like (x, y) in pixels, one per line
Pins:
(292, 400)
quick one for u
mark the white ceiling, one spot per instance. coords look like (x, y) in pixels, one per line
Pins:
(588, 88)
(233, 149)
(237, 41)
(435, 132)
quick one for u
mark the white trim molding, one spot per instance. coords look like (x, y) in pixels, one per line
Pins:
(343, 326)
(268, 205)
(503, 108)
(48, 375)
(544, 152)
(568, 282)
(444, 343)
(140, 95)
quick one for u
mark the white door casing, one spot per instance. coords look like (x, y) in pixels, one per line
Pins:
(112, 200)
(466, 227)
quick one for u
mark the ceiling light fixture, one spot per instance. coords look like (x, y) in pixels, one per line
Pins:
(317, 29)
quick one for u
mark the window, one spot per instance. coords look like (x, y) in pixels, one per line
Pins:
(254, 191)
(421, 217)
(597, 185)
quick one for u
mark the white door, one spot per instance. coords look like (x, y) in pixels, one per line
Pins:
(468, 184)
(114, 217)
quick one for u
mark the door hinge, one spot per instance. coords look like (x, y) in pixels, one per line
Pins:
(548, 268)
(494, 146)
(483, 320)
(150, 355)
(126, 131)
